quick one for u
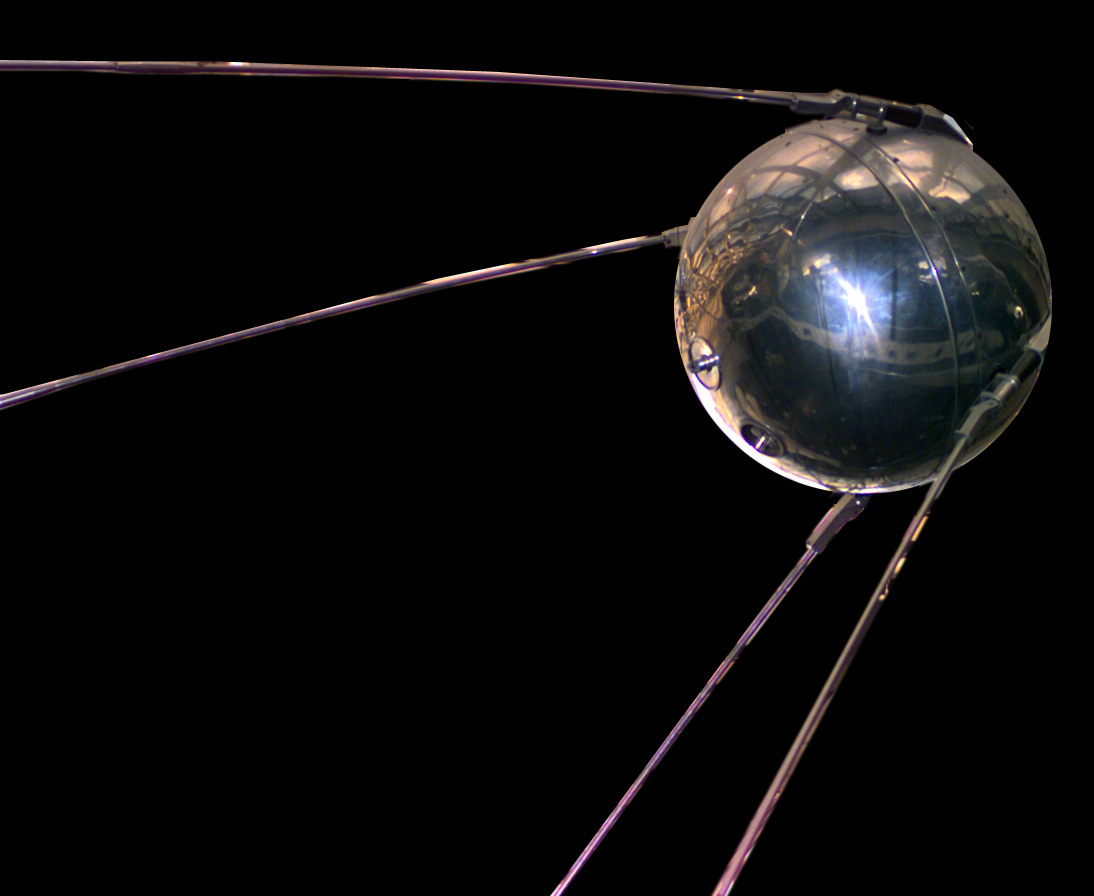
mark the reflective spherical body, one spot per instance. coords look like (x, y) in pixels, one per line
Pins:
(845, 294)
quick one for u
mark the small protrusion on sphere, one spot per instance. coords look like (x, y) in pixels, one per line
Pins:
(704, 363)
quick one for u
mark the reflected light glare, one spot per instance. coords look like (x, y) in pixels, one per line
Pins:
(855, 179)
(856, 300)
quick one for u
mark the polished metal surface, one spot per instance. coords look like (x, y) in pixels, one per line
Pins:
(860, 289)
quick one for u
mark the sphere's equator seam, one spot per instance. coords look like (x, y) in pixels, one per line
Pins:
(964, 285)
(828, 179)
(926, 254)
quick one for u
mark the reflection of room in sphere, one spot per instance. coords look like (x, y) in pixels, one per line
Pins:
(844, 295)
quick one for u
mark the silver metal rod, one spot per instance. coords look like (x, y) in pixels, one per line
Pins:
(845, 509)
(832, 103)
(767, 805)
(410, 74)
(20, 396)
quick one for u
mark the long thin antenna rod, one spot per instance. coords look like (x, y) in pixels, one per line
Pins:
(834, 102)
(845, 509)
(1002, 387)
(669, 238)
(405, 74)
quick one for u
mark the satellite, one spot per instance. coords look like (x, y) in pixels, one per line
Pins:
(851, 295)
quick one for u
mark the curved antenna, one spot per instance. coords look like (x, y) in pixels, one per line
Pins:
(835, 102)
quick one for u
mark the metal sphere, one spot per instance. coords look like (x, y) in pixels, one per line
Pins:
(846, 293)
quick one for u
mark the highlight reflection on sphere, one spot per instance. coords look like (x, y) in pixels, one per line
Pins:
(844, 295)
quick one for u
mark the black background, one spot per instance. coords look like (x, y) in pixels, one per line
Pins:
(419, 590)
